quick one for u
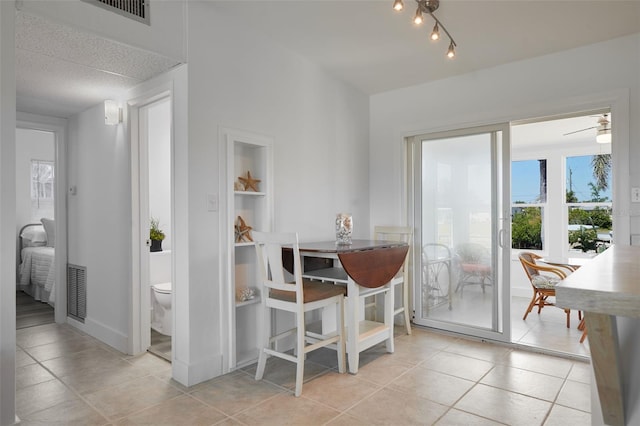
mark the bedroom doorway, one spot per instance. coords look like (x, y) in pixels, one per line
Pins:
(40, 221)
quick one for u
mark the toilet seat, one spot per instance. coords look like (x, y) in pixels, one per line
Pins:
(164, 288)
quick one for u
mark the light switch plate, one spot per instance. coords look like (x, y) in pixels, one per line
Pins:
(212, 202)
(635, 195)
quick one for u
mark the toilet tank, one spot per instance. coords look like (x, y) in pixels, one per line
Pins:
(160, 267)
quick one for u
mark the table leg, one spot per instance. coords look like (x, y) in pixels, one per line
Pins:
(605, 359)
(353, 325)
(389, 308)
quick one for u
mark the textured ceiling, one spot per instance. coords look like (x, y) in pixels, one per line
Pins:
(61, 71)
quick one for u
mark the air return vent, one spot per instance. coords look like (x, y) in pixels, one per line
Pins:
(134, 9)
(77, 292)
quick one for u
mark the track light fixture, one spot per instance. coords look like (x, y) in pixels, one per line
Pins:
(428, 7)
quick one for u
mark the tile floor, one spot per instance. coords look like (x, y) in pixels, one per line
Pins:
(66, 377)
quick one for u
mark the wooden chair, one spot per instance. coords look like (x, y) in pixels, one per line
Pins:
(404, 234)
(543, 279)
(289, 292)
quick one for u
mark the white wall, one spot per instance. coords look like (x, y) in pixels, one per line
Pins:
(526, 89)
(30, 145)
(542, 86)
(319, 125)
(99, 218)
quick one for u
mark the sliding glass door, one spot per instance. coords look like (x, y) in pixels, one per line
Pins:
(459, 183)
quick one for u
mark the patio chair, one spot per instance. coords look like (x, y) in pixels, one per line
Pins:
(543, 279)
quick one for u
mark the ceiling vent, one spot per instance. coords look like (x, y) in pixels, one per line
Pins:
(134, 9)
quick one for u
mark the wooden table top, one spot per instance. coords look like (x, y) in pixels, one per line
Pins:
(608, 284)
(356, 245)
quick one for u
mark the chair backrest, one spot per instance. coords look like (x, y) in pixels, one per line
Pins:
(532, 269)
(528, 261)
(395, 233)
(273, 275)
(472, 253)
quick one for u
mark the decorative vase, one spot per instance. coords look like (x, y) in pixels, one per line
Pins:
(156, 245)
(344, 228)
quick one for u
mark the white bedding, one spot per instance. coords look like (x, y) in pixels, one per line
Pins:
(37, 273)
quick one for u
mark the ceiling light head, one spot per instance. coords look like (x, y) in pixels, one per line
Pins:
(418, 18)
(398, 5)
(451, 52)
(435, 34)
(603, 137)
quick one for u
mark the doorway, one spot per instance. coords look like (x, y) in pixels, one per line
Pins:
(35, 196)
(468, 238)
(460, 210)
(40, 201)
(562, 199)
(152, 151)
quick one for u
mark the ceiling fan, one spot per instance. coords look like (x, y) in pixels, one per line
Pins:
(603, 134)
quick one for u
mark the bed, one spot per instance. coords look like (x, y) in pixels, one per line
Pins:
(36, 272)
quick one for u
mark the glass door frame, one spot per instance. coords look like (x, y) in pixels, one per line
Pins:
(501, 227)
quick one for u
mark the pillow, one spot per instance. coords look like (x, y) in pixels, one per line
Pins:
(50, 229)
(544, 281)
(34, 235)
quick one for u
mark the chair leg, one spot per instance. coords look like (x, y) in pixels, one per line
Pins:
(568, 312)
(584, 335)
(405, 304)
(301, 354)
(262, 358)
(541, 301)
(531, 305)
(342, 347)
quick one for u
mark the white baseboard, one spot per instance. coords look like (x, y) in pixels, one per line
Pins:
(102, 332)
(192, 374)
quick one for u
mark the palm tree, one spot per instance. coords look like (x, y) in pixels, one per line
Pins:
(601, 168)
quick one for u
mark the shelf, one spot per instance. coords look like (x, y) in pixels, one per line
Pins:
(253, 301)
(250, 193)
(336, 274)
(248, 244)
(246, 153)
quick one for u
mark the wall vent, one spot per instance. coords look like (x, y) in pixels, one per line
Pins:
(134, 9)
(77, 292)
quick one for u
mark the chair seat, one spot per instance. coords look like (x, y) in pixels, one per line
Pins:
(544, 282)
(313, 291)
(475, 268)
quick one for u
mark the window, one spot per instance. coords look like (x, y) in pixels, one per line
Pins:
(42, 189)
(588, 200)
(528, 200)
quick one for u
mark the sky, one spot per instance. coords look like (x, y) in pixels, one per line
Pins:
(525, 179)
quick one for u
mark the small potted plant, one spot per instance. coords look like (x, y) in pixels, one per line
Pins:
(156, 235)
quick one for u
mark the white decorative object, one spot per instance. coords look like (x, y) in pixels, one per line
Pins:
(244, 294)
(344, 228)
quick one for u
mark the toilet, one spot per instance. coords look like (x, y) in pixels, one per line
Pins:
(161, 320)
